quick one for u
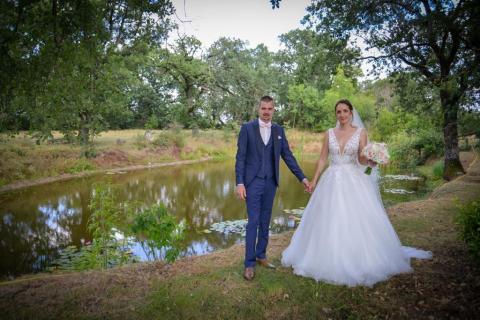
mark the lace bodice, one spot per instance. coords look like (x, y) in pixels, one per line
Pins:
(349, 154)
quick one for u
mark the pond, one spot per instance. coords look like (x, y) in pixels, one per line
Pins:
(38, 221)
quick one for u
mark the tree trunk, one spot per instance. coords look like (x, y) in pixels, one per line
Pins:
(189, 96)
(84, 132)
(452, 165)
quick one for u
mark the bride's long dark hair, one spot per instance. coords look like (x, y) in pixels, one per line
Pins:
(347, 102)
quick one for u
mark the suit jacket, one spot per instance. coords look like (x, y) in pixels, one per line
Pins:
(249, 153)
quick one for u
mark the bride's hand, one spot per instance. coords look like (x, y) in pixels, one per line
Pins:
(311, 187)
(371, 163)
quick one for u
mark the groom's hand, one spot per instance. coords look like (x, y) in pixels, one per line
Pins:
(241, 192)
(306, 184)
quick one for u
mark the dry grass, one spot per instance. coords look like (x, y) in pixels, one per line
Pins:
(22, 159)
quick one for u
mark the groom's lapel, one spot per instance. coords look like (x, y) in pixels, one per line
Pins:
(258, 136)
(275, 138)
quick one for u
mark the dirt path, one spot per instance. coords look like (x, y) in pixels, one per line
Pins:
(448, 286)
(68, 176)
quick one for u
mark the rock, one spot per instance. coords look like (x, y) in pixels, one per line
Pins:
(148, 136)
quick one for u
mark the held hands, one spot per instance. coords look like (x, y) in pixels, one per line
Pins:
(312, 186)
(307, 185)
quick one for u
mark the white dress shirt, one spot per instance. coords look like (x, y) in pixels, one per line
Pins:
(265, 130)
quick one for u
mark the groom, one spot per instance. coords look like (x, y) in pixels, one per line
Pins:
(260, 145)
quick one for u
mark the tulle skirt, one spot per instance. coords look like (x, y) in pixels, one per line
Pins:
(345, 236)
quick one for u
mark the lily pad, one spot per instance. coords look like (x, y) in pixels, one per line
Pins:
(401, 177)
(398, 191)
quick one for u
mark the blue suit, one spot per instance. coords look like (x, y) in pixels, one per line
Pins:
(257, 167)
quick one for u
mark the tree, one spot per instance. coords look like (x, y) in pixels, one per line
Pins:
(190, 75)
(304, 108)
(344, 87)
(307, 58)
(62, 61)
(439, 39)
(240, 76)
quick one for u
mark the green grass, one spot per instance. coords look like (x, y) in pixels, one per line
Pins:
(433, 173)
(224, 294)
(80, 166)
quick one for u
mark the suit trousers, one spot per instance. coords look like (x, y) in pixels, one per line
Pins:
(260, 196)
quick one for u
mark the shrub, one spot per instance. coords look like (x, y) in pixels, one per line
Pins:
(89, 152)
(437, 169)
(162, 140)
(102, 221)
(105, 251)
(412, 149)
(154, 228)
(169, 139)
(158, 232)
(468, 221)
(80, 166)
(152, 122)
(139, 141)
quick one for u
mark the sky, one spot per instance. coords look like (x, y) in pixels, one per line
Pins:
(250, 20)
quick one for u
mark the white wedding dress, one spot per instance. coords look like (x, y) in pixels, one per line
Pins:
(345, 236)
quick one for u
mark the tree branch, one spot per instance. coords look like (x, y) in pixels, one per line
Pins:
(420, 67)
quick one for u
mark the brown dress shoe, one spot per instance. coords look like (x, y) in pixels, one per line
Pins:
(265, 263)
(249, 273)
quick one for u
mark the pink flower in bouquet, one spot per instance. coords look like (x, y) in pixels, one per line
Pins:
(376, 152)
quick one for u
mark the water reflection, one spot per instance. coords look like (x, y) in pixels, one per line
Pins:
(35, 222)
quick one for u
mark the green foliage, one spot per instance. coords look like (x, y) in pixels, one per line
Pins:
(344, 88)
(468, 221)
(80, 166)
(188, 75)
(105, 251)
(140, 142)
(170, 138)
(423, 25)
(469, 123)
(158, 232)
(87, 257)
(152, 123)
(414, 148)
(307, 58)
(239, 77)
(437, 169)
(228, 134)
(304, 111)
(102, 221)
(89, 151)
(73, 67)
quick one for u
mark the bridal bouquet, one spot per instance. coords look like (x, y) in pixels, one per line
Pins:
(376, 152)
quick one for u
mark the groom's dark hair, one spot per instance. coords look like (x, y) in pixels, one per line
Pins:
(266, 99)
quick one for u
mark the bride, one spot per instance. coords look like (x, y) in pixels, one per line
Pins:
(345, 236)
